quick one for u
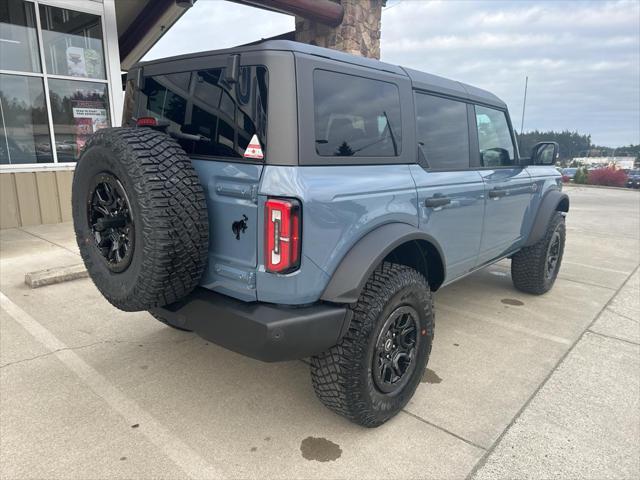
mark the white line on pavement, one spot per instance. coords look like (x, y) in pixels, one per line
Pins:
(508, 325)
(180, 453)
(595, 267)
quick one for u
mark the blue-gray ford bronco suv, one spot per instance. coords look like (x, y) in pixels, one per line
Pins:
(287, 201)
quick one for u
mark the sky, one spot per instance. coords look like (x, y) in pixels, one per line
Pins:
(582, 57)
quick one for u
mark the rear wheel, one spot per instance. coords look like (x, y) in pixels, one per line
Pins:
(375, 369)
(534, 269)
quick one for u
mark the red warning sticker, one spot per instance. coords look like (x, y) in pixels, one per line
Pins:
(254, 150)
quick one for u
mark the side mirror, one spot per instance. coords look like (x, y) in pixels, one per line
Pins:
(544, 153)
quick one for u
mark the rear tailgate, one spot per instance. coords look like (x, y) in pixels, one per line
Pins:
(231, 190)
(221, 123)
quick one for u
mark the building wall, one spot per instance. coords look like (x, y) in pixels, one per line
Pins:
(358, 34)
(34, 198)
(37, 193)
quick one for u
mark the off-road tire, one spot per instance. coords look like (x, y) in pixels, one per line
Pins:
(342, 376)
(168, 211)
(169, 323)
(528, 266)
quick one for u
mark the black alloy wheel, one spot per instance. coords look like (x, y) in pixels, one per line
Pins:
(553, 256)
(395, 350)
(111, 221)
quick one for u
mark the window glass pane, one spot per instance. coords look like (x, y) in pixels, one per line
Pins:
(356, 116)
(24, 133)
(165, 98)
(18, 39)
(78, 109)
(443, 135)
(72, 42)
(494, 138)
(225, 116)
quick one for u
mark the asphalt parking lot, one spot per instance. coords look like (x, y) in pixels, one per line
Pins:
(517, 386)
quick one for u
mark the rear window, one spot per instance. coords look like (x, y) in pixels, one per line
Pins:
(355, 116)
(225, 115)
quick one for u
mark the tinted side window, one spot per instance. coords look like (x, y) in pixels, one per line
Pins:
(494, 138)
(442, 132)
(165, 98)
(356, 116)
(225, 116)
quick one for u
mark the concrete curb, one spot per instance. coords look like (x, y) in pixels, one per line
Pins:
(50, 276)
(578, 185)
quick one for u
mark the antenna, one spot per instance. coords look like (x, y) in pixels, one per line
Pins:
(524, 105)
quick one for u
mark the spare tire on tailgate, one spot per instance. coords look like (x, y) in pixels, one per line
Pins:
(140, 217)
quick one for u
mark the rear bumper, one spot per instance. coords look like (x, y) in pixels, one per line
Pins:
(263, 331)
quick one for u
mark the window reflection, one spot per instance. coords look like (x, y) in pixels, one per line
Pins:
(18, 38)
(164, 98)
(72, 43)
(227, 116)
(494, 138)
(24, 128)
(78, 110)
(356, 116)
(441, 127)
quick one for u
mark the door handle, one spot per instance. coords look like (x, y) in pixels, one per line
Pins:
(438, 200)
(497, 193)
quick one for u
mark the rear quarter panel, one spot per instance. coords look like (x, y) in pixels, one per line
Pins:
(340, 204)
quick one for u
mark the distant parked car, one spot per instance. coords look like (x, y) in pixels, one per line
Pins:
(569, 173)
(633, 179)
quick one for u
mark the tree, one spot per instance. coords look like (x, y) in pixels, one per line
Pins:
(572, 144)
(344, 150)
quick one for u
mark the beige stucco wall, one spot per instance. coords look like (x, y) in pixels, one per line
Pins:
(33, 198)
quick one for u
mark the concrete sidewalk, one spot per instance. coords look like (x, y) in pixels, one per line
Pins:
(517, 387)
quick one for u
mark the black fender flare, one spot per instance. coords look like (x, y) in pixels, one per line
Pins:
(356, 267)
(552, 201)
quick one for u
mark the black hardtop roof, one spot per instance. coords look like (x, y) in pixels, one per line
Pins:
(420, 80)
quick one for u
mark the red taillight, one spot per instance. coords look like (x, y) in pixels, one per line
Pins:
(147, 122)
(282, 235)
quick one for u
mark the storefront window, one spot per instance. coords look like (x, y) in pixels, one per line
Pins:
(78, 110)
(24, 129)
(45, 118)
(72, 43)
(18, 38)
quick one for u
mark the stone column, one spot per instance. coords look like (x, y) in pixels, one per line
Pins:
(359, 32)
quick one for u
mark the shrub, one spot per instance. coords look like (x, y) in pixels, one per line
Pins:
(609, 177)
(581, 176)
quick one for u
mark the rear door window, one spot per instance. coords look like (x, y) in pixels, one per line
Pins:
(442, 132)
(355, 116)
(202, 103)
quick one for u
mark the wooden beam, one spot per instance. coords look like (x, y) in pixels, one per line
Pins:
(142, 25)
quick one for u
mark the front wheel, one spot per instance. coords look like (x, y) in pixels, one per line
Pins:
(375, 369)
(534, 269)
